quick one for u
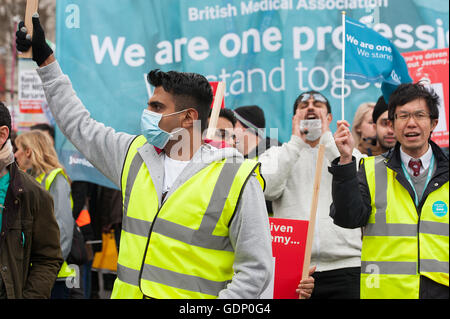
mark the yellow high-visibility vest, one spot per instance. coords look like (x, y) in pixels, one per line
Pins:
(399, 244)
(181, 249)
(259, 176)
(46, 181)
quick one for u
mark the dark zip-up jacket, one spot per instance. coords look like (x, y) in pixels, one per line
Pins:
(351, 198)
(30, 252)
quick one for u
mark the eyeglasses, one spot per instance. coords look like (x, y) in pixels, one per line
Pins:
(418, 116)
(316, 96)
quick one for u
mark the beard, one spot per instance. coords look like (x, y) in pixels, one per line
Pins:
(385, 145)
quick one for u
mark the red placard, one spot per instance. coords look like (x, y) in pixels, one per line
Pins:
(288, 249)
(432, 66)
(214, 88)
(30, 106)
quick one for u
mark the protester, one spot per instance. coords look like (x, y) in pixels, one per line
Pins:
(402, 199)
(383, 127)
(80, 251)
(250, 132)
(363, 130)
(168, 248)
(225, 126)
(30, 252)
(36, 155)
(289, 172)
(250, 137)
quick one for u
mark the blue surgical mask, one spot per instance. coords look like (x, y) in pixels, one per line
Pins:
(151, 130)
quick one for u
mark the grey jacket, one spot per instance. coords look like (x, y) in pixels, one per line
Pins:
(106, 150)
(60, 191)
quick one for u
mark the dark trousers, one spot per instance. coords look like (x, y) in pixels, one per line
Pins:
(341, 283)
(430, 289)
(60, 290)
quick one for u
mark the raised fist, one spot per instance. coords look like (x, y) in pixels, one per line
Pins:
(40, 49)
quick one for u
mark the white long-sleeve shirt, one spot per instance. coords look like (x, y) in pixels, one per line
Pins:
(289, 172)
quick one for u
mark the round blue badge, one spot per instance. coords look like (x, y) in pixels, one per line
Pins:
(440, 208)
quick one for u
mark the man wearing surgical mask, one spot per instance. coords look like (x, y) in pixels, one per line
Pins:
(176, 194)
(289, 174)
(194, 223)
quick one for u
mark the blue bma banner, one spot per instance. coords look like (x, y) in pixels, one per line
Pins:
(267, 52)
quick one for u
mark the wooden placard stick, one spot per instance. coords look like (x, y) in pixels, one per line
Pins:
(313, 213)
(31, 8)
(220, 91)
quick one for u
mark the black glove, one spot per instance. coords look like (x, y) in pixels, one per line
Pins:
(41, 50)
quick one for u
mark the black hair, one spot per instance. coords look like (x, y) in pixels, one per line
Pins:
(379, 108)
(299, 98)
(44, 127)
(252, 114)
(226, 113)
(5, 117)
(190, 90)
(408, 92)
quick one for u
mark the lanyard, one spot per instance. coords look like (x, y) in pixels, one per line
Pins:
(430, 172)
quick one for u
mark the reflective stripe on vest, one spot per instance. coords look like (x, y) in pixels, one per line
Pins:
(182, 233)
(391, 263)
(259, 176)
(66, 271)
(46, 181)
(135, 227)
(212, 193)
(206, 240)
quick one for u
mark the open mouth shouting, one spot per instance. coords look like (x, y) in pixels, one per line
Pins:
(311, 116)
(412, 136)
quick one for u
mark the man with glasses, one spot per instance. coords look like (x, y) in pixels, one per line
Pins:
(250, 137)
(250, 131)
(402, 199)
(289, 174)
(225, 128)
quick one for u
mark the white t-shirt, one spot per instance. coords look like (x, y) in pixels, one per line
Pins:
(172, 169)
